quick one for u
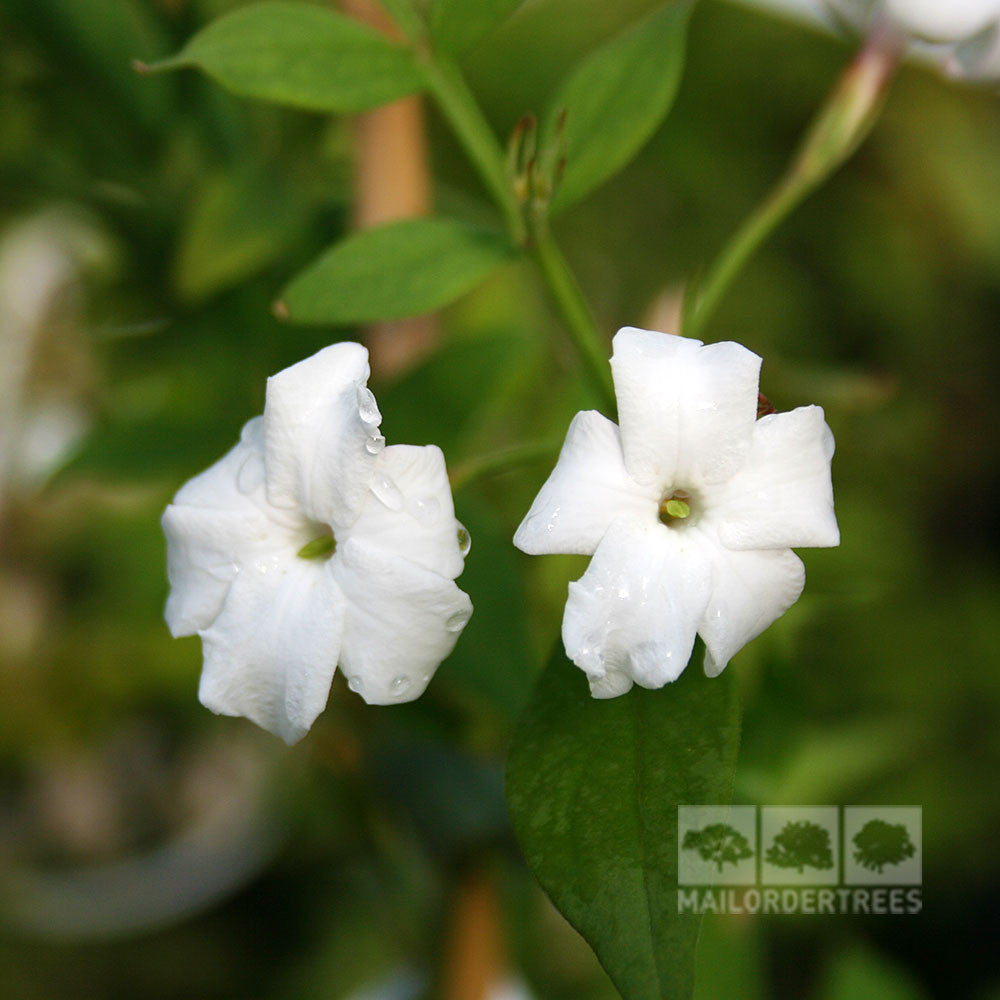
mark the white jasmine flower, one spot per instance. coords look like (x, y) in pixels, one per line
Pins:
(690, 509)
(962, 37)
(939, 21)
(311, 544)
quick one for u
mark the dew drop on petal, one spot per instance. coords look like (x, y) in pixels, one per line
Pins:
(355, 684)
(387, 492)
(250, 433)
(399, 684)
(464, 539)
(458, 620)
(426, 511)
(368, 409)
(251, 475)
(375, 444)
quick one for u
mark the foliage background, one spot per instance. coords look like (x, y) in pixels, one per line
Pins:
(150, 849)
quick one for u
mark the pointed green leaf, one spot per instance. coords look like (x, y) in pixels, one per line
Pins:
(616, 98)
(593, 788)
(457, 24)
(393, 271)
(303, 55)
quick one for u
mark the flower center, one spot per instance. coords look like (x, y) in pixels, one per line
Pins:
(675, 507)
(321, 547)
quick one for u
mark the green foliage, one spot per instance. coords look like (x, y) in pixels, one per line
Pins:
(238, 223)
(458, 24)
(167, 354)
(302, 55)
(615, 99)
(593, 788)
(393, 271)
(800, 845)
(718, 842)
(878, 844)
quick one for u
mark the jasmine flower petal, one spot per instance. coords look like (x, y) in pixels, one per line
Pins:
(783, 496)
(409, 509)
(635, 612)
(750, 590)
(315, 437)
(587, 490)
(686, 411)
(943, 20)
(271, 653)
(210, 521)
(402, 621)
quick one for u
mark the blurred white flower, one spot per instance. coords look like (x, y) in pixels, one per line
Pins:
(962, 37)
(311, 544)
(943, 20)
(690, 511)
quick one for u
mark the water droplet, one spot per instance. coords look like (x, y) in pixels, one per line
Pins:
(251, 475)
(375, 444)
(553, 517)
(387, 491)
(399, 684)
(355, 684)
(252, 431)
(458, 620)
(367, 407)
(464, 539)
(426, 511)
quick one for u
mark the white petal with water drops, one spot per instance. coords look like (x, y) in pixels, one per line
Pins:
(276, 611)
(723, 566)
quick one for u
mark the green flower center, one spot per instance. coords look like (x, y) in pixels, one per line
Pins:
(321, 547)
(675, 507)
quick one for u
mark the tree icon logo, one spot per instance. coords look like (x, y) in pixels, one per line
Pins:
(879, 843)
(718, 843)
(801, 845)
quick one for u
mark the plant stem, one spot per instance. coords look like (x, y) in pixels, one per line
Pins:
(575, 313)
(839, 127)
(501, 461)
(458, 105)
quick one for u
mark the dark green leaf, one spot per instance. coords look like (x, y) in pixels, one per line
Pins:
(303, 55)
(401, 269)
(615, 100)
(457, 24)
(593, 788)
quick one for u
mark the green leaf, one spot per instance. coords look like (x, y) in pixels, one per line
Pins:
(457, 24)
(303, 55)
(615, 100)
(593, 788)
(239, 221)
(393, 271)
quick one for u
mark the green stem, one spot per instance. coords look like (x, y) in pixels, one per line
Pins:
(501, 461)
(576, 315)
(839, 127)
(459, 107)
(458, 104)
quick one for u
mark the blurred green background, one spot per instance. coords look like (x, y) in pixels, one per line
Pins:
(149, 849)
